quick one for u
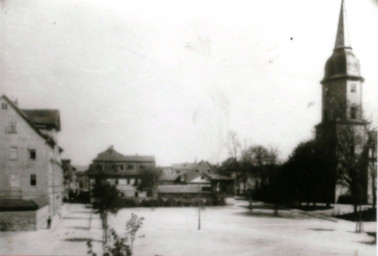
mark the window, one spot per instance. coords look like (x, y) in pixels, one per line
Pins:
(353, 112)
(13, 154)
(353, 88)
(130, 167)
(15, 181)
(32, 154)
(128, 181)
(12, 127)
(4, 106)
(120, 167)
(116, 181)
(33, 179)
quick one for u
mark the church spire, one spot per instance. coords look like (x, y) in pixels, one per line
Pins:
(342, 36)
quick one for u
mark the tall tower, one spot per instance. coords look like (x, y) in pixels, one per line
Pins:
(342, 116)
(342, 82)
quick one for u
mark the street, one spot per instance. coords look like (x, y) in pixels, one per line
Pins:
(228, 230)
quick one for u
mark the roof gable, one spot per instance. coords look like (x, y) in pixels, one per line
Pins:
(48, 140)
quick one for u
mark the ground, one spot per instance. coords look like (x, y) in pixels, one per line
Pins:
(228, 230)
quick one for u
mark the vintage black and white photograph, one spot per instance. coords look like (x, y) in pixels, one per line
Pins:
(193, 127)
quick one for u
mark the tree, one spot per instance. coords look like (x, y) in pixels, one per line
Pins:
(234, 147)
(120, 246)
(105, 200)
(257, 162)
(309, 177)
(149, 179)
(372, 143)
(352, 160)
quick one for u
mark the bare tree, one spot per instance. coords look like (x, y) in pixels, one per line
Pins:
(373, 164)
(234, 149)
(352, 160)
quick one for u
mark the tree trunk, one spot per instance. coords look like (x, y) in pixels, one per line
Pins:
(276, 209)
(104, 218)
(355, 210)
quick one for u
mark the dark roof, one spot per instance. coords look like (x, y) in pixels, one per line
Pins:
(48, 139)
(214, 176)
(343, 63)
(43, 118)
(111, 155)
(17, 205)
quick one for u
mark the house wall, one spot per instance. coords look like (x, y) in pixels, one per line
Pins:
(123, 177)
(16, 173)
(42, 214)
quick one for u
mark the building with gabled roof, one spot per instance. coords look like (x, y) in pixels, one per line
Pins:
(121, 170)
(201, 177)
(30, 166)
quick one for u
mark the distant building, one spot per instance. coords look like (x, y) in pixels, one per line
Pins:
(192, 178)
(121, 170)
(82, 178)
(30, 166)
(70, 183)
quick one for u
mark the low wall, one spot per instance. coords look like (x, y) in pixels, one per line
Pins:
(17, 220)
(42, 215)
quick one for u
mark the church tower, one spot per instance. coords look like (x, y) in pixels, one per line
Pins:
(342, 115)
(342, 82)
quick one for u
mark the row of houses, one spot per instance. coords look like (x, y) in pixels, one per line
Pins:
(173, 181)
(35, 180)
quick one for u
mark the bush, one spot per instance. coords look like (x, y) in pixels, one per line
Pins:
(345, 199)
(184, 201)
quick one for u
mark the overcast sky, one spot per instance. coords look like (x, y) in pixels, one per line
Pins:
(171, 78)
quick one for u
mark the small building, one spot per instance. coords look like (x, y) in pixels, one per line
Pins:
(31, 184)
(70, 184)
(82, 178)
(193, 178)
(121, 170)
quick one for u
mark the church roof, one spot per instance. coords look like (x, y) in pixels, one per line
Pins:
(343, 63)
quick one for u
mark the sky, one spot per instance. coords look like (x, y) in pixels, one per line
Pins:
(172, 78)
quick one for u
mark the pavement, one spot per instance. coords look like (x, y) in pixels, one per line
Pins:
(228, 230)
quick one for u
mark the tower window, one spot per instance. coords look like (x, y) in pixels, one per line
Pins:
(33, 179)
(4, 106)
(325, 115)
(353, 112)
(353, 88)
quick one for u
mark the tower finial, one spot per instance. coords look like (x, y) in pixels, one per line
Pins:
(342, 36)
